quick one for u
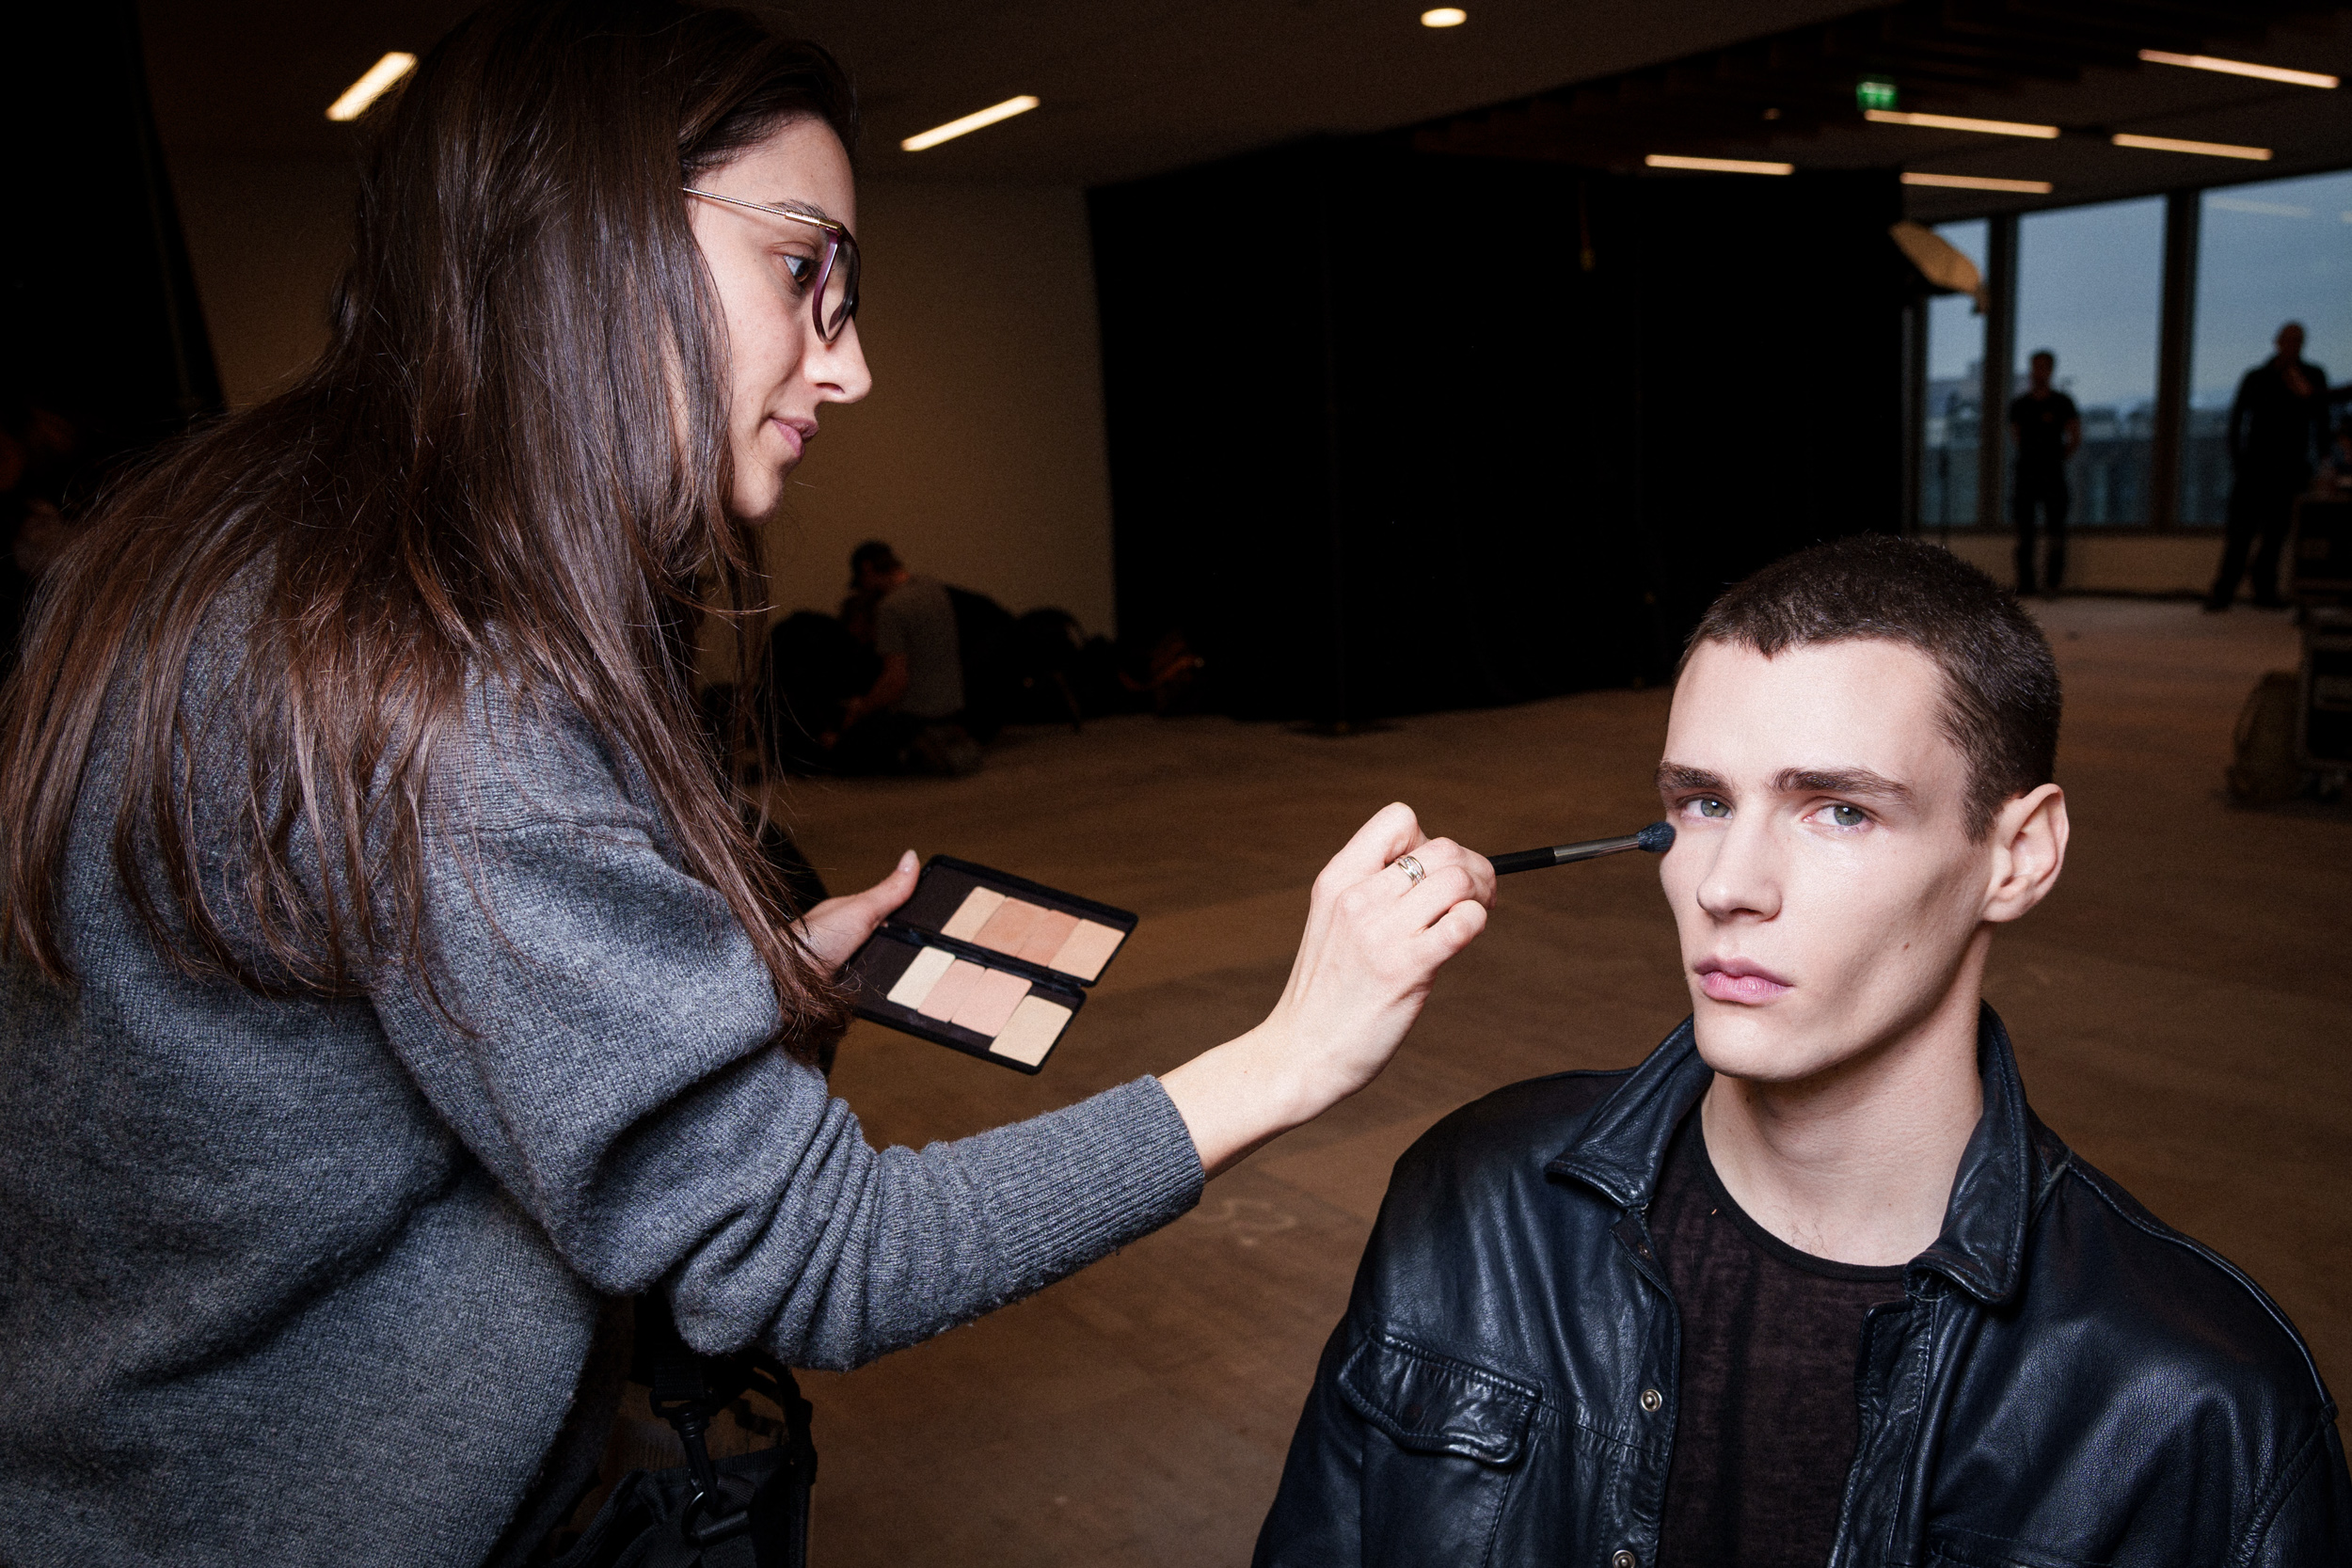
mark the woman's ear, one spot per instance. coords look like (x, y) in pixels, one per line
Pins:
(2029, 851)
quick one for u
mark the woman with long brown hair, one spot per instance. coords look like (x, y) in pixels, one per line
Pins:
(388, 985)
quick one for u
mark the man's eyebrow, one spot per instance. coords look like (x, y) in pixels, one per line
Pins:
(1840, 781)
(1681, 775)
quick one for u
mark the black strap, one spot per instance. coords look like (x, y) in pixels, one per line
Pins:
(689, 1389)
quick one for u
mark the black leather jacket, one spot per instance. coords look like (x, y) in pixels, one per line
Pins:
(2068, 1382)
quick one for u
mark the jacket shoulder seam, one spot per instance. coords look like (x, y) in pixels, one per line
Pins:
(2155, 1229)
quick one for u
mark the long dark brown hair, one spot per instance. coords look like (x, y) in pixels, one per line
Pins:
(511, 460)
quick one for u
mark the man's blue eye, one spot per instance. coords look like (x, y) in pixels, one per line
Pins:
(1709, 806)
(1849, 816)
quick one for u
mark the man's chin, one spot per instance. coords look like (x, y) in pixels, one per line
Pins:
(1767, 1042)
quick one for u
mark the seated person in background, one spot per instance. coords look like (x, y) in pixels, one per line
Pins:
(909, 720)
(1812, 1284)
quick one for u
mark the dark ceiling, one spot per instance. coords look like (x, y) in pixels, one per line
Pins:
(1150, 84)
(1130, 87)
(1790, 96)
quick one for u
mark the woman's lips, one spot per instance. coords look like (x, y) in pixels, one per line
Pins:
(1733, 980)
(796, 434)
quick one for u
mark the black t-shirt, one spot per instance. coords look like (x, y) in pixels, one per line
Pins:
(2041, 425)
(1767, 1422)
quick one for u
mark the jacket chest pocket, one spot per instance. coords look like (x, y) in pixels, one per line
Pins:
(1446, 1446)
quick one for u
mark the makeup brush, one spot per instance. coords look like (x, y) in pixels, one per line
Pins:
(1654, 838)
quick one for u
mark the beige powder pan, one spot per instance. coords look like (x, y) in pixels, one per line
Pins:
(1022, 929)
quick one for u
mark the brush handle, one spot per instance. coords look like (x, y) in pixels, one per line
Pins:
(1655, 838)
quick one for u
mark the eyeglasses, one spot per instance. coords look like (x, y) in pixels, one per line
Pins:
(831, 277)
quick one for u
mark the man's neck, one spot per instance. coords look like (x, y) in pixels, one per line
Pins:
(1856, 1164)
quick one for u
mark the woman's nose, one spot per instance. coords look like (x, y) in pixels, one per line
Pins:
(839, 368)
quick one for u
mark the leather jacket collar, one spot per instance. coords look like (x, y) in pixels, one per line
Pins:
(2067, 1382)
(1982, 1246)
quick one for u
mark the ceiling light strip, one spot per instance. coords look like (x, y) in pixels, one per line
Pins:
(2202, 149)
(1979, 183)
(1444, 16)
(367, 88)
(1718, 165)
(969, 123)
(1955, 122)
(2242, 68)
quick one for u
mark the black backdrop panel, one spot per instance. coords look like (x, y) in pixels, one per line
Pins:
(1392, 432)
(1771, 379)
(99, 317)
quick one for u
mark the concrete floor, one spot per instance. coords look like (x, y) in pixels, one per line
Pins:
(2183, 1006)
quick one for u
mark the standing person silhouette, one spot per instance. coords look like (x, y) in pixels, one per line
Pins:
(388, 987)
(2047, 429)
(2277, 422)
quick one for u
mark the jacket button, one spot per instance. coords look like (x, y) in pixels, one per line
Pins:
(1652, 1400)
(1623, 1558)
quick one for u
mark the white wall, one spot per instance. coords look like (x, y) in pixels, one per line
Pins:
(266, 238)
(979, 454)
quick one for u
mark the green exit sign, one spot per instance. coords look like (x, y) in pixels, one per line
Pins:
(1874, 92)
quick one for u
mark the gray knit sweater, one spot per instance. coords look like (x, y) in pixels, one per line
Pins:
(308, 1282)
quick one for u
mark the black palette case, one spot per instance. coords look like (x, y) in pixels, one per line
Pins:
(945, 899)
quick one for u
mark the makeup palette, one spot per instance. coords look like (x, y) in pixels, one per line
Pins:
(990, 964)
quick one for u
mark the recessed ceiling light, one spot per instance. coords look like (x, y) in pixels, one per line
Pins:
(1979, 183)
(970, 122)
(367, 88)
(2203, 149)
(1955, 122)
(1444, 16)
(2241, 67)
(1718, 165)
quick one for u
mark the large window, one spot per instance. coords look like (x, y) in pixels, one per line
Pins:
(1948, 468)
(2269, 254)
(2090, 290)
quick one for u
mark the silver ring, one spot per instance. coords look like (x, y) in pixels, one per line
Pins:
(1412, 869)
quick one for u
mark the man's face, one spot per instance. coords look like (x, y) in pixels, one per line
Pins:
(2039, 369)
(2290, 341)
(1821, 873)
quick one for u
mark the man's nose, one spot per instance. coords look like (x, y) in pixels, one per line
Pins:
(1742, 877)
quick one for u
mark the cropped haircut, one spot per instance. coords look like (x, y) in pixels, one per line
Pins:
(2001, 697)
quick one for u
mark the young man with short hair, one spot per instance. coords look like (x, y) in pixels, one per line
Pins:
(1812, 1285)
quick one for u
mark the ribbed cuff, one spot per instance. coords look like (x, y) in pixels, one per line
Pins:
(1074, 1184)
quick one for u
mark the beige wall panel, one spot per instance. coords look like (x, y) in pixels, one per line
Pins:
(979, 454)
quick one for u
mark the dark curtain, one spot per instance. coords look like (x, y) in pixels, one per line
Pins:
(1392, 432)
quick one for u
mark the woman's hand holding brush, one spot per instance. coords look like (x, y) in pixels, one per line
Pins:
(1385, 913)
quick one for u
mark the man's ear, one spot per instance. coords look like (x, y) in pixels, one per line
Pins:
(2028, 850)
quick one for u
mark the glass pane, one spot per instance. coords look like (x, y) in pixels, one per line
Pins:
(1948, 467)
(2267, 254)
(2090, 290)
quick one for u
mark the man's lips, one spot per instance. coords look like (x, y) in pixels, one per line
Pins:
(1738, 980)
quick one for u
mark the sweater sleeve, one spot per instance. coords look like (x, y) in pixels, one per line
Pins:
(603, 1052)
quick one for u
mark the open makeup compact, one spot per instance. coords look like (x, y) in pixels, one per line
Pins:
(989, 963)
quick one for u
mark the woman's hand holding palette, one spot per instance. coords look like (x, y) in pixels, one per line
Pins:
(988, 964)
